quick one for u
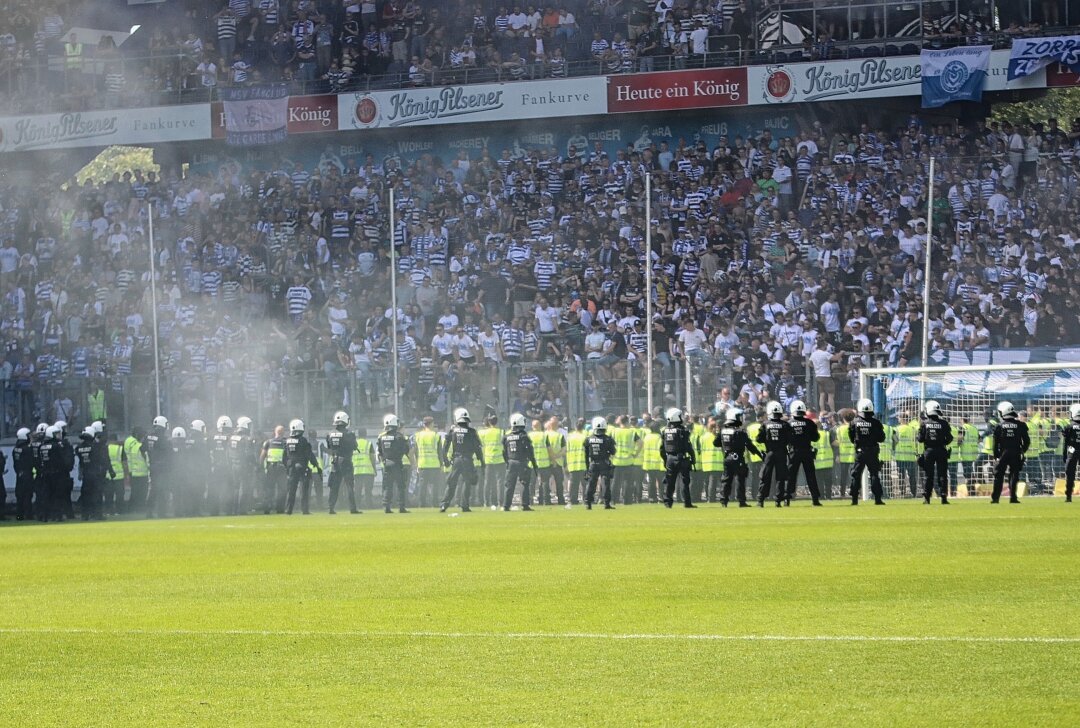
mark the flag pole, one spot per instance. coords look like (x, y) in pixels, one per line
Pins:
(393, 299)
(648, 296)
(153, 310)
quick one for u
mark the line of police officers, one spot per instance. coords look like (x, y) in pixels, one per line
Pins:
(190, 472)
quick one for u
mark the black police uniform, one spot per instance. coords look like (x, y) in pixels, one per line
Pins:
(936, 435)
(22, 456)
(867, 434)
(296, 459)
(220, 483)
(735, 442)
(66, 482)
(599, 450)
(391, 448)
(341, 444)
(160, 451)
(51, 467)
(804, 435)
(519, 455)
(775, 435)
(1011, 442)
(92, 468)
(1070, 451)
(182, 476)
(466, 446)
(678, 453)
(243, 460)
(274, 479)
(42, 506)
(198, 468)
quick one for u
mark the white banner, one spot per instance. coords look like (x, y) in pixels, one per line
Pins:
(473, 103)
(866, 78)
(190, 122)
(256, 114)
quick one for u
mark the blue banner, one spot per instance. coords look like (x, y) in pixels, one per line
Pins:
(954, 74)
(1028, 55)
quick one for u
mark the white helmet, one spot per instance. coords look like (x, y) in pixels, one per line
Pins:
(865, 406)
(1074, 411)
(224, 423)
(341, 418)
(1006, 409)
(41, 429)
(160, 421)
(798, 408)
(932, 408)
(198, 426)
(178, 433)
(598, 423)
(52, 432)
(296, 426)
(517, 420)
(99, 426)
(22, 434)
(391, 421)
(243, 423)
(88, 431)
(674, 416)
(732, 416)
(61, 424)
(461, 416)
(774, 410)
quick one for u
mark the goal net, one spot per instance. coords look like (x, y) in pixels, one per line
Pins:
(969, 396)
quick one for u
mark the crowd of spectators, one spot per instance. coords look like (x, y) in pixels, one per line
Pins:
(775, 256)
(331, 47)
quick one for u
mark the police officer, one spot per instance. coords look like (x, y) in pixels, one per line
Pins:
(392, 447)
(679, 460)
(22, 457)
(600, 449)
(775, 435)
(50, 464)
(243, 462)
(1070, 450)
(461, 445)
(42, 506)
(183, 473)
(220, 464)
(867, 434)
(297, 458)
(935, 435)
(494, 465)
(272, 457)
(363, 465)
(67, 482)
(804, 440)
(342, 444)
(198, 455)
(519, 454)
(1011, 443)
(159, 454)
(93, 465)
(734, 442)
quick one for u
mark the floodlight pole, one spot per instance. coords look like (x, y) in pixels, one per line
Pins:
(393, 300)
(153, 310)
(648, 296)
(926, 279)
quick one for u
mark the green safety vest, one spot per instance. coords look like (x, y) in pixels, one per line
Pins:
(751, 431)
(624, 446)
(886, 451)
(650, 453)
(969, 448)
(361, 460)
(710, 459)
(73, 55)
(95, 405)
(845, 445)
(575, 452)
(427, 450)
(823, 460)
(540, 448)
(275, 451)
(1037, 429)
(115, 457)
(988, 444)
(137, 464)
(553, 441)
(906, 450)
(491, 439)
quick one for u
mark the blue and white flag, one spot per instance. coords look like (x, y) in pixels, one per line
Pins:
(955, 74)
(1028, 55)
(256, 114)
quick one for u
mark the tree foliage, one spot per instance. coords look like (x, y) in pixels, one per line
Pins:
(117, 160)
(1062, 104)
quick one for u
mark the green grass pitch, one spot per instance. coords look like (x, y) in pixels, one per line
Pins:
(902, 615)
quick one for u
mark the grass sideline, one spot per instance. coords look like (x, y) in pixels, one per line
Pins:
(558, 617)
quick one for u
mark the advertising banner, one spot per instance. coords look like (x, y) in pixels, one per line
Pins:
(665, 91)
(305, 115)
(190, 122)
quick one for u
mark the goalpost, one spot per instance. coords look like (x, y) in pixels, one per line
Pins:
(969, 396)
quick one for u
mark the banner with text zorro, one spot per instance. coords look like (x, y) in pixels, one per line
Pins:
(256, 114)
(1029, 55)
(954, 74)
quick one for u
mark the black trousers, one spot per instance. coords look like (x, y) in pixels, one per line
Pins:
(42, 499)
(517, 472)
(395, 481)
(461, 470)
(274, 494)
(597, 473)
(622, 482)
(577, 485)
(1070, 474)
(773, 465)
(909, 470)
(24, 496)
(339, 477)
(936, 470)
(654, 480)
(365, 483)
(296, 476)
(734, 473)
(114, 494)
(677, 468)
(803, 459)
(90, 498)
(1010, 462)
(56, 485)
(870, 462)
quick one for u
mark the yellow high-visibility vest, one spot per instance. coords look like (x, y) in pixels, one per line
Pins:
(650, 452)
(710, 459)
(116, 451)
(886, 451)
(540, 448)
(95, 405)
(361, 458)
(823, 460)
(844, 444)
(575, 452)
(969, 448)
(624, 446)
(752, 430)
(73, 55)
(427, 450)
(491, 439)
(137, 464)
(906, 450)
